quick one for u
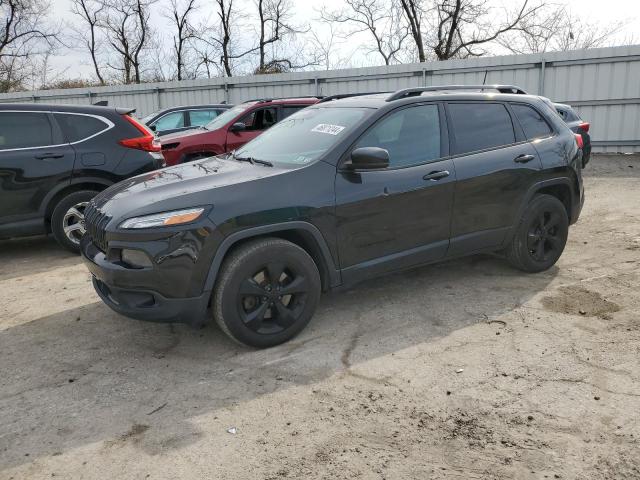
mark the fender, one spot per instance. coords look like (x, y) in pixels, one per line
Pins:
(334, 276)
(74, 181)
(529, 195)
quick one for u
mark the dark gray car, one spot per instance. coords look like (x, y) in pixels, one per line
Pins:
(178, 119)
(55, 158)
(577, 125)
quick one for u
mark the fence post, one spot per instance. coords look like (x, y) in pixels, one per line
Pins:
(541, 79)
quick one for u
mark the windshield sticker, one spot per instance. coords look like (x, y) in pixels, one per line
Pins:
(326, 128)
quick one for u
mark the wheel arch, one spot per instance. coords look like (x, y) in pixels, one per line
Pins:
(303, 234)
(561, 188)
(76, 185)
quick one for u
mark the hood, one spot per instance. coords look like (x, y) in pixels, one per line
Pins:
(186, 185)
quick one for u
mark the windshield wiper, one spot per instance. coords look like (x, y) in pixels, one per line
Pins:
(251, 160)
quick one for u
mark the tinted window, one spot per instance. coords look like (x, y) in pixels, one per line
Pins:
(291, 109)
(304, 136)
(202, 117)
(533, 124)
(169, 121)
(79, 127)
(477, 126)
(23, 130)
(259, 119)
(411, 136)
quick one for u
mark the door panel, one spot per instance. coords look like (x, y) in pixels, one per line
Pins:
(400, 216)
(494, 168)
(29, 168)
(489, 190)
(389, 212)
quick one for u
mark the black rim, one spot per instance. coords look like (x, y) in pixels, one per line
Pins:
(543, 238)
(273, 298)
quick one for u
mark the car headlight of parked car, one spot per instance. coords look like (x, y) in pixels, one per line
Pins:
(165, 219)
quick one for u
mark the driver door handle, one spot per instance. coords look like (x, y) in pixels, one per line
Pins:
(435, 176)
(524, 158)
(46, 156)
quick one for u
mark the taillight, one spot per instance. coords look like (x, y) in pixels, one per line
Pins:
(147, 141)
(579, 140)
(584, 126)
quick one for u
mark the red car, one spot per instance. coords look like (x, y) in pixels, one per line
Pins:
(231, 129)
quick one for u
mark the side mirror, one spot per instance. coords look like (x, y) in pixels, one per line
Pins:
(238, 127)
(369, 158)
(152, 128)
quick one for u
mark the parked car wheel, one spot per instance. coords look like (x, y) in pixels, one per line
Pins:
(267, 292)
(540, 236)
(67, 220)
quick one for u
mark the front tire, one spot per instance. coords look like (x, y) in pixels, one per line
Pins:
(540, 236)
(267, 292)
(67, 220)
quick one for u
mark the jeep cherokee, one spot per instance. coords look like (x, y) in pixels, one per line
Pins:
(334, 194)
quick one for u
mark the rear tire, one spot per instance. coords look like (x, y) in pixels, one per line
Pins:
(267, 291)
(67, 220)
(540, 236)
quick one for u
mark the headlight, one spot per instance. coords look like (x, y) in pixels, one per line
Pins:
(166, 219)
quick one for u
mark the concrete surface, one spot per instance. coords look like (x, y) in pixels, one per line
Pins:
(549, 387)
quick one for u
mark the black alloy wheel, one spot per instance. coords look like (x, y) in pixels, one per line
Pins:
(540, 236)
(273, 298)
(544, 238)
(266, 292)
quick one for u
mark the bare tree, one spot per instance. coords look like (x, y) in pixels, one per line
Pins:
(180, 18)
(25, 34)
(90, 13)
(464, 25)
(274, 18)
(129, 33)
(555, 28)
(328, 48)
(414, 12)
(379, 18)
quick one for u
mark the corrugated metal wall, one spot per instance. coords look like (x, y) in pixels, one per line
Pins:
(602, 84)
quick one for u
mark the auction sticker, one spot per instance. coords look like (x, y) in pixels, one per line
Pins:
(326, 128)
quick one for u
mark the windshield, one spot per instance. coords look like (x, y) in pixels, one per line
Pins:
(304, 136)
(224, 118)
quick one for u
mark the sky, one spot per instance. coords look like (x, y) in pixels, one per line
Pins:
(69, 63)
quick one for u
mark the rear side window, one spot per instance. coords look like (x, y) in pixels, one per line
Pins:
(169, 121)
(478, 126)
(202, 117)
(411, 136)
(24, 130)
(533, 124)
(79, 127)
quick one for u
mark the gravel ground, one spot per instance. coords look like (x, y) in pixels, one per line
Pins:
(466, 369)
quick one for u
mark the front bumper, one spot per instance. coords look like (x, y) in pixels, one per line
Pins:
(110, 281)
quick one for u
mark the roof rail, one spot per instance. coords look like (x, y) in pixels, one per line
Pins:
(346, 95)
(412, 92)
(265, 100)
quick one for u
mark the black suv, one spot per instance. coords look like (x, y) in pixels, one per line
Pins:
(55, 158)
(338, 192)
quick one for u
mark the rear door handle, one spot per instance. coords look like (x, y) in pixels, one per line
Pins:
(524, 158)
(46, 156)
(434, 176)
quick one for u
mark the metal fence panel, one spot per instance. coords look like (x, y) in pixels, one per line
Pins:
(602, 84)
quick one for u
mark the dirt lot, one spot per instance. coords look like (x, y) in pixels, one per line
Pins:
(549, 387)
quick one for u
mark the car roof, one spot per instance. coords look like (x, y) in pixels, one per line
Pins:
(284, 101)
(194, 107)
(48, 107)
(381, 100)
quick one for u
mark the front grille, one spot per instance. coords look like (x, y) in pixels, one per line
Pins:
(95, 223)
